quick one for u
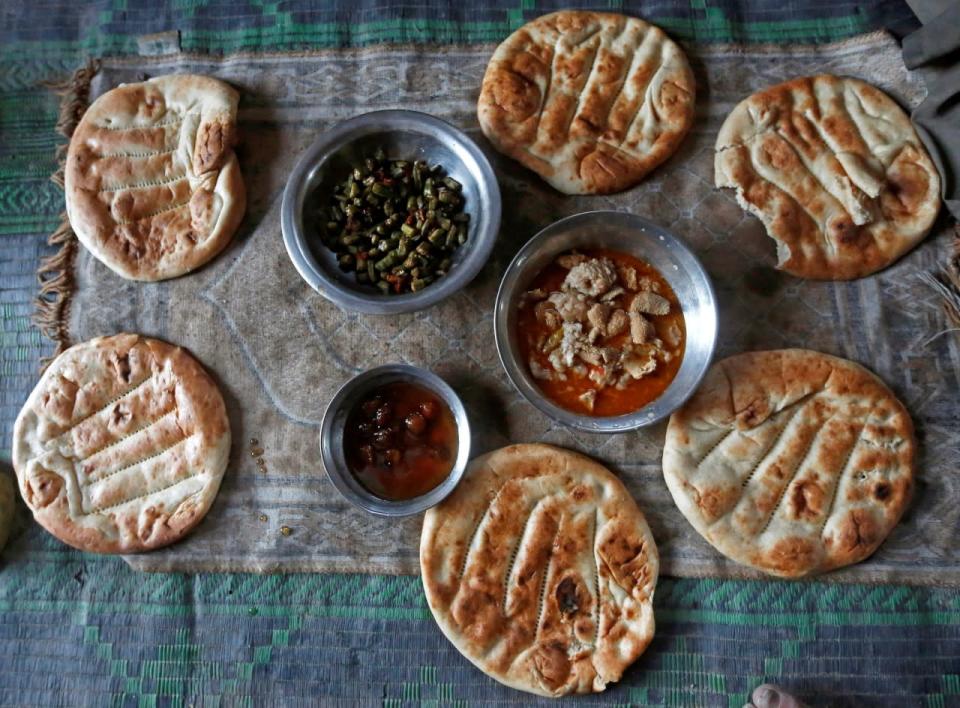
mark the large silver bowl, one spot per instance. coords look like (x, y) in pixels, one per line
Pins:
(645, 240)
(406, 135)
(335, 418)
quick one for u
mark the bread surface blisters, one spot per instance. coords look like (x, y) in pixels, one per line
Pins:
(791, 461)
(122, 445)
(153, 187)
(834, 170)
(589, 101)
(541, 570)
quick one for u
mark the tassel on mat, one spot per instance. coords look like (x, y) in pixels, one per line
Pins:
(55, 273)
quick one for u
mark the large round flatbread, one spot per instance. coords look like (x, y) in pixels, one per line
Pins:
(541, 570)
(835, 171)
(152, 184)
(122, 445)
(590, 101)
(791, 461)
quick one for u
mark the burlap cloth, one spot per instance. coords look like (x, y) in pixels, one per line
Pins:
(279, 350)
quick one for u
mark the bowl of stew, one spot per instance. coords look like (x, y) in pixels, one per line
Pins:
(605, 321)
(395, 440)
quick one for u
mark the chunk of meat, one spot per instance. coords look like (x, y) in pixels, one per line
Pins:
(618, 323)
(540, 372)
(612, 294)
(572, 342)
(570, 260)
(546, 314)
(610, 355)
(603, 376)
(591, 355)
(648, 284)
(589, 398)
(672, 335)
(641, 329)
(650, 304)
(571, 306)
(628, 276)
(639, 364)
(599, 315)
(592, 277)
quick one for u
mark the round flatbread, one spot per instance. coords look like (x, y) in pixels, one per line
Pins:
(792, 462)
(834, 170)
(541, 570)
(590, 101)
(153, 187)
(122, 445)
(6, 507)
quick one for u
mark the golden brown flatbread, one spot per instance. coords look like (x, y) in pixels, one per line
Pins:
(541, 570)
(834, 170)
(122, 445)
(152, 184)
(590, 101)
(791, 461)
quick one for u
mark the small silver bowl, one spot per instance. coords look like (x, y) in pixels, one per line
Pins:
(406, 135)
(645, 240)
(335, 418)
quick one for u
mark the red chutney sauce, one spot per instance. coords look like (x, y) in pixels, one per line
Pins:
(570, 389)
(400, 441)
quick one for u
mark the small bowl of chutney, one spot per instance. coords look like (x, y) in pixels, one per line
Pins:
(395, 440)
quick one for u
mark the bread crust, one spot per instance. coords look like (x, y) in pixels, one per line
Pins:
(835, 170)
(791, 461)
(523, 514)
(153, 187)
(590, 101)
(122, 445)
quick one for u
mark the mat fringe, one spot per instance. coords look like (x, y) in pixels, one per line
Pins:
(946, 283)
(55, 273)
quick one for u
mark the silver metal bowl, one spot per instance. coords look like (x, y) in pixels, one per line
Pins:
(406, 135)
(331, 438)
(645, 240)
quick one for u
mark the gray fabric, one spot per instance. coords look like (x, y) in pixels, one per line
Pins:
(934, 53)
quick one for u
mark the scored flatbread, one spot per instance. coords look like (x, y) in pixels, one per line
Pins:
(834, 170)
(513, 563)
(590, 101)
(122, 445)
(791, 461)
(152, 184)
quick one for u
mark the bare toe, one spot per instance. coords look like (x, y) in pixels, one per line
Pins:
(770, 696)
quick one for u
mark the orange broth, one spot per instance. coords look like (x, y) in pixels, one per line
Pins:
(610, 401)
